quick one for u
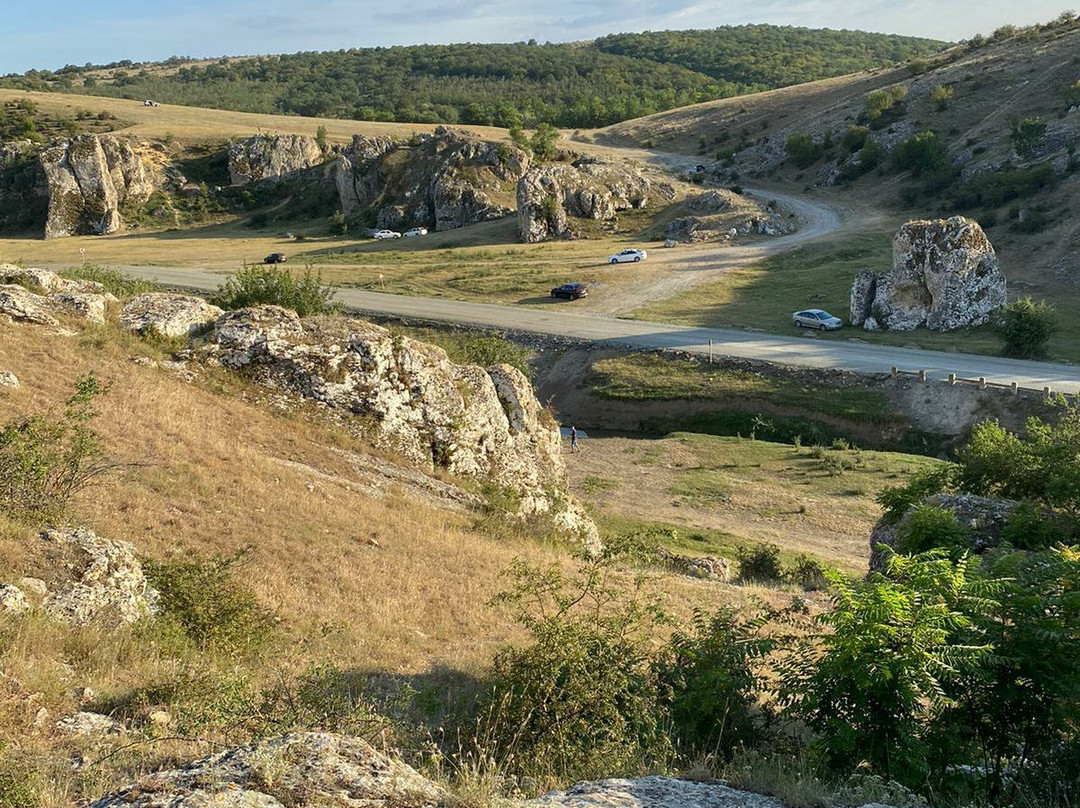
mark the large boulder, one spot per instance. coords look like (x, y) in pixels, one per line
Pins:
(945, 276)
(985, 517)
(298, 770)
(84, 299)
(95, 577)
(167, 314)
(18, 304)
(548, 195)
(483, 423)
(91, 178)
(271, 158)
(653, 792)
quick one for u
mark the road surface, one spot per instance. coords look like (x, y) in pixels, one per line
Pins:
(800, 351)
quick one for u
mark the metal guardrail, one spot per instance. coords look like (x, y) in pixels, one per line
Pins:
(981, 383)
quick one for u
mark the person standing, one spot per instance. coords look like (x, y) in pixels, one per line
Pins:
(573, 439)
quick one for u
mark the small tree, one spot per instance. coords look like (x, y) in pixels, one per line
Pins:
(1027, 135)
(322, 138)
(544, 142)
(802, 148)
(922, 154)
(339, 224)
(941, 96)
(1025, 327)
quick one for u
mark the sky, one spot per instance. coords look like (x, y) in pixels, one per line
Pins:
(52, 33)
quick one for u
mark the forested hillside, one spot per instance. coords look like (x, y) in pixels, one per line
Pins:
(571, 85)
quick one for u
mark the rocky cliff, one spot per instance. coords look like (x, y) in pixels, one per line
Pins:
(549, 196)
(483, 423)
(271, 158)
(90, 178)
(945, 276)
(446, 180)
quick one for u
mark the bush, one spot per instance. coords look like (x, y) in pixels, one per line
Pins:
(941, 96)
(256, 285)
(204, 598)
(855, 138)
(880, 102)
(580, 701)
(1029, 528)
(898, 500)
(488, 350)
(544, 142)
(808, 574)
(928, 527)
(803, 150)
(921, 154)
(759, 563)
(991, 189)
(1025, 327)
(114, 281)
(1027, 135)
(47, 459)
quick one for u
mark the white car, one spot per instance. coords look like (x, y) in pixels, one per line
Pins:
(381, 234)
(817, 319)
(628, 256)
(416, 231)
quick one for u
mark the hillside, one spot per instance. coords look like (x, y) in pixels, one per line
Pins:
(569, 85)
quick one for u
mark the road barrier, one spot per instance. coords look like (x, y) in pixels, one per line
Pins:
(981, 383)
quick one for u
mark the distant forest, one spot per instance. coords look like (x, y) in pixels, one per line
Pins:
(612, 79)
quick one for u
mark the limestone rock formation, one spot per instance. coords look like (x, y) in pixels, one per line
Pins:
(945, 276)
(299, 770)
(587, 189)
(85, 724)
(91, 178)
(720, 215)
(985, 517)
(652, 792)
(472, 421)
(12, 600)
(9, 380)
(20, 305)
(711, 568)
(170, 315)
(271, 158)
(95, 577)
(84, 299)
(445, 180)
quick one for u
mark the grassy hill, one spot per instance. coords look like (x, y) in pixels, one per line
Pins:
(570, 85)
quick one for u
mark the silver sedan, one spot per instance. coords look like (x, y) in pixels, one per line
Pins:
(817, 319)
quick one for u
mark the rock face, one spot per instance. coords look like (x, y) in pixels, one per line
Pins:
(985, 517)
(19, 305)
(12, 600)
(472, 421)
(446, 180)
(9, 380)
(719, 215)
(84, 724)
(271, 158)
(169, 315)
(945, 276)
(91, 178)
(298, 770)
(97, 577)
(84, 299)
(587, 189)
(653, 792)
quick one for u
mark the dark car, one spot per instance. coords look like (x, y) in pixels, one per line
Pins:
(274, 258)
(570, 291)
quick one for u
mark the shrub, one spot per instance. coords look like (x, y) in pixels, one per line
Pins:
(941, 96)
(322, 138)
(1027, 135)
(581, 700)
(991, 189)
(898, 500)
(855, 138)
(114, 281)
(759, 563)
(1029, 528)
(338, 224)
(488, 350)
(711, 676)
(880, 102)
(544, 142)
(255, 285)
(1025, 327)
(808, 574)
(928, 527)
(17, 789)
(47, 459)
(204, 597)
(923, 153)
(803, 150)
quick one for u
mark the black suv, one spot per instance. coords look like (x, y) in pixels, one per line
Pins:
(570, 291)
(274, 258)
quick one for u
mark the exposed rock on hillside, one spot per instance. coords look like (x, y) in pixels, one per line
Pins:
(945, 276)
(20, 305)
(84, 299)
(985, 517)
(85, 724)
(12, 600)
(549, 195)
(446, 180)
(9, 380)
(95, 577)
(91, 178)
(653, 792)
(723, 215)
(273, 158)
(170, 315)
(300, 770)
(475, 422)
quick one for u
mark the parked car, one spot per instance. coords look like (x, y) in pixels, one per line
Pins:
(416, 231)
(628, 255)
(274, 258)
(383, 234)
(570, 291)
(816, 318)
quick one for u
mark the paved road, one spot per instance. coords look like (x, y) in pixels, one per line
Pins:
(801, 351)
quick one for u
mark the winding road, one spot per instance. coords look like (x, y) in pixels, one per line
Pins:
(803, 351)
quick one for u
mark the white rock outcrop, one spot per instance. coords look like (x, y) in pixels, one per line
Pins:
(653, 792)
(271, 158)
(298, 770)
(44, 293)
(96, 578)
(87, 725)
(483, 423)
(945, 276)
(170, 315)
(8, 380)
(12, 600)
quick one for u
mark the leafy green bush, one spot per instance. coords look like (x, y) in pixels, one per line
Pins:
(581, 700)
(1027, 135)
(489, 349)
(881, 102)
(114, 281)
(257, 285)
(759, 563)
(803, 149)
(1030, 528)
(1025, 327)
(922, 154)
(928, 527)
(941, 96)
(991, 189)
(711, 677)
(204, 597)
(807, 573)
(898, 500)
(544, 141)
(47, 459)
(855, 138)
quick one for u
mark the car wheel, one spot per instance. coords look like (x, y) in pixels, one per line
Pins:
(614, 260)
(822, 327)
(637, 258)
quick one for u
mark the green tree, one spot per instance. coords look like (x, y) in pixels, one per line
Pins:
(1027, 135)
(322, 138)
(803, 149)
(1025, 327)
(922, 154)
(544, 142)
